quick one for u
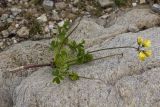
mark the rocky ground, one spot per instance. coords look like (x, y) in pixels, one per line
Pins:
(26, 29)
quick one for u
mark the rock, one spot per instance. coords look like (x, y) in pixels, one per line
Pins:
(9, 20)
(5, 98)
(144, 19)
(42, 18)
(133, 28)
(75, 2)
(109, 10)
(114, 80)
(71, 16)
(60, 5)
(142, 1)
(61, 23)
(87, 29)
(156, 8)
(4, 17)
(105, 16)
(48, 4)
(15, 11)
(105, 3)
(101, 21)
(55, 15)
(23, 32)
(5, 33)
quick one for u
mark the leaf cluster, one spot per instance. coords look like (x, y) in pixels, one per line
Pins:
(67, 52)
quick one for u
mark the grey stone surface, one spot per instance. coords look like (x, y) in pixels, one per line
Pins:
(117, 81)
(139, 18)
(5, 98)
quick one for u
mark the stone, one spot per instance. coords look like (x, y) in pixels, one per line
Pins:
(105, 16)
(144, 19)
(75, 2)
(5, 33)
(156, 8)
(4, 17)
(15, 11)
(105, 3)
(71, 16)
(109, 10)
(55, 15)
(133, 28)
(42, 18)
(9, 20)
(5, 98)
(60, 5)
(142, 1)
(87, 29)
(61, 23)
(48, 4)
(23, 32)
(123, 81)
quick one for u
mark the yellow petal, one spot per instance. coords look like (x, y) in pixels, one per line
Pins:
(139, 40)
(148, 53)
(146, 43)
(142, 56)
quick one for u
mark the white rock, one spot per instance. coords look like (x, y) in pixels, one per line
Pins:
(51, 25)
(55, 15)
(5, 33)
(17, 25)
(105, 16)
(105, 3)
(60, 24)
(23, 32)
(42, 18)
(4, 17)
(48, 4)
(60, 5)
(15, 11)
(134, 4)
(142, 1)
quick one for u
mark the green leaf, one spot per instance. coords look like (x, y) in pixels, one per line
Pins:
(73, 76)
(56, 80)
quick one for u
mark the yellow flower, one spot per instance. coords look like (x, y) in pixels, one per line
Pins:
(148, 53)
(142, 56)
(139, 40)
(146, 43)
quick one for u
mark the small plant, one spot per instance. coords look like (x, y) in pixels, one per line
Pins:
(35, 27)
(120, 2)
(36, 2)
(67, 52)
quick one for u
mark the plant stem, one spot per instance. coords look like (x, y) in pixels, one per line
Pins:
(92, 78)
(107, 56)
(68, 34)
(73, 62)
(30, 66)
(112, 48)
